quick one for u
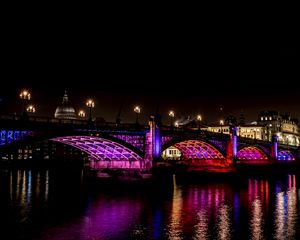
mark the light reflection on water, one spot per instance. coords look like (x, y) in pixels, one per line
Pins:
(175, 225)
(257, 220)
(46, 204)
(286, 211)
(224, 222)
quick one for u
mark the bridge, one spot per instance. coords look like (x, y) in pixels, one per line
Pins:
(134, 147)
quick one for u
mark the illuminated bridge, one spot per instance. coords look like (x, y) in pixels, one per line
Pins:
(136, 147)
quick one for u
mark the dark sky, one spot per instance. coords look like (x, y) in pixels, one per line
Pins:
(185, 71)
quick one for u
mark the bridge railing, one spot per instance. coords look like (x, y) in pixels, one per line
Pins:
(40, 121)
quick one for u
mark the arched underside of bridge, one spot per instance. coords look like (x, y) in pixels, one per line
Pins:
(285, 155)
(104, 153)
(252, 154)
(199, 153)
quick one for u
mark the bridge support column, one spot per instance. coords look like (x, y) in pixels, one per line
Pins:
(232, 145)
(274, 148)
(153, 141)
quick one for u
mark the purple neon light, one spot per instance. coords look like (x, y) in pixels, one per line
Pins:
(157, 142)
(135, 140)
(165, 139)
(251, 153)
(193, 149)
(104, 153)
(221, 145)
(285, 155)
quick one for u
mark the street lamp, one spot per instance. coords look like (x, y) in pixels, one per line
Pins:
(199, 119)
(137, 111)
(171, 115)
(90, 104)
(30, 109)
(25, 96)
(81, 114)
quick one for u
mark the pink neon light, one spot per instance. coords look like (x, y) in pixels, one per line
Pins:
(251, 153)
(193, 149)
(104, 153)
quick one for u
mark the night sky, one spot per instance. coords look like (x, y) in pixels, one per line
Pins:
(188, 73)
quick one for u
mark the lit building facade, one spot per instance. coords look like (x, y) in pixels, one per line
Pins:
(171, 153)
(251, 131)
(248, 131)
(269, 123)
(285, 127)
(219, 129)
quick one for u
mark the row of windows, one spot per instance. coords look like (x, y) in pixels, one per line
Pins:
(174, 152)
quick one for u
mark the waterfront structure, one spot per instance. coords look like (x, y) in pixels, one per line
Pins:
(125, 147)
(248, 130)
(65, 111)
(171, 153)
(268, 124)
(251, 131)
(219, 128)
(283, 125)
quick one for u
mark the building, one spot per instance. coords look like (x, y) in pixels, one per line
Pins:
(65, 111)
(251, 131)
(269, 123)
(282, 125)
(171, 153)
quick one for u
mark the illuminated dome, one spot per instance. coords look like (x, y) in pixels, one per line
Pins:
(65, 111)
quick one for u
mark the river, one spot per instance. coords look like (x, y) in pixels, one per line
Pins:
(66, 204)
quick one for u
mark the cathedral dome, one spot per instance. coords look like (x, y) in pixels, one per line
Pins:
(65, 111)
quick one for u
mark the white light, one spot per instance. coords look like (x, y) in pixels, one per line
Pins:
(81, 113)
(31, 109)
(137, 109)
(90, 103)
(171, 113)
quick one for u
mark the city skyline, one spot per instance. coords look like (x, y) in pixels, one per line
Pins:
(240, 79)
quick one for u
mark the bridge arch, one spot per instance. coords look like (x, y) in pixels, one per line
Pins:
(202, 141)
(253, 154)
(199, 153)
(105, 153)
(39, 137)
(285, 155)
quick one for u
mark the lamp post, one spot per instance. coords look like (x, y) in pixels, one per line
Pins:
(90, 104)
(171, 115)
(25, 96)
(199, 119)
(137, 111)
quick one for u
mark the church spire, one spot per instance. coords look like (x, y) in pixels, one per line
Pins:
(65, 97)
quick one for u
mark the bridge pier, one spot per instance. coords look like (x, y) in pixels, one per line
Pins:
(153, 142)
(274, 149)
(232, 145)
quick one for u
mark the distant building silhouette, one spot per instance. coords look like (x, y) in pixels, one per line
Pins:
(65, 111)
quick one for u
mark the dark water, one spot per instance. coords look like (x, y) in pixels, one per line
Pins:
(64, 204)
